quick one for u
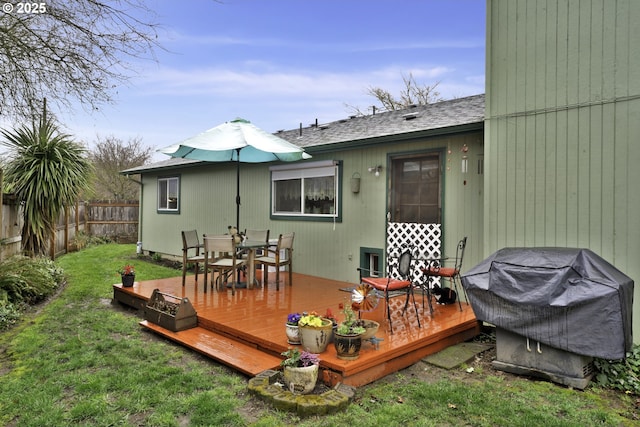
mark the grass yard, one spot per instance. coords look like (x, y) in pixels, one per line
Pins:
(79, 360)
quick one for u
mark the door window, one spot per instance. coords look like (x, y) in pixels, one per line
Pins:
(416, 190)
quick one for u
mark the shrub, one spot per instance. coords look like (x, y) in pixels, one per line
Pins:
(25, 281)
(83, 240)
(9, 315)
(621, 375)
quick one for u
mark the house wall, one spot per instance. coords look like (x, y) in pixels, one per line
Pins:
(321, 249)
(562, 127)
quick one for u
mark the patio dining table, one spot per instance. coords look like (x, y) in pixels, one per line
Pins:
(250, 247)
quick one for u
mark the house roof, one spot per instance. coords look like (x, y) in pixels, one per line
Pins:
(455, 115)
(391, 125)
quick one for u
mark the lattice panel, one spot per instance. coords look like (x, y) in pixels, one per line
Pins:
(425, 239)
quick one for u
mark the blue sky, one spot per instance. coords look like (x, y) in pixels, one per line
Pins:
(279, 63)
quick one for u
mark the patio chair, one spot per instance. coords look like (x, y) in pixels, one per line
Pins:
(273, 258)
(436, 269)
(221, 257)
(191, 247)
(259, 235)
(390, 284)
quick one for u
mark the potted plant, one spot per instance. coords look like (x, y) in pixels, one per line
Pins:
(348, 336)
(291, 328)
(300, 370)
(128, 275)
(315, 332)
(365, 298)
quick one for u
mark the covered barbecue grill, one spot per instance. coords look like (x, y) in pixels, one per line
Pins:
(566, 298)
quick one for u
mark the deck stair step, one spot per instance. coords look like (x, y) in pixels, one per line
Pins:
(245, 358)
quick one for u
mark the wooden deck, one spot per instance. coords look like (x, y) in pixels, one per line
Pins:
(246, 331)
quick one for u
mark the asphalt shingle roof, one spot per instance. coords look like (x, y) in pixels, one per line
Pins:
(444, 114)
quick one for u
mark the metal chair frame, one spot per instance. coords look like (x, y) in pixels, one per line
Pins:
(435, 269)
(387, 284)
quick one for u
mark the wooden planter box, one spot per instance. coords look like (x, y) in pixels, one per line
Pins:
(170, 312)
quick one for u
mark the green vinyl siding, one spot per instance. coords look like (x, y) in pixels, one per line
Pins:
(562, 127)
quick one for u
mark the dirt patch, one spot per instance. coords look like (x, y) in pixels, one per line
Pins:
(472, 372)
(165, 262)
(253, 409)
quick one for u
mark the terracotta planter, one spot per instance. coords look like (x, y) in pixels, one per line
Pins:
(293, 334)
(300, 380)
(128, 279)
(347, 346)
(315, 339)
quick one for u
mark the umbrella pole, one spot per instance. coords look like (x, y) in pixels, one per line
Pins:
(238, 191)
(238, 201)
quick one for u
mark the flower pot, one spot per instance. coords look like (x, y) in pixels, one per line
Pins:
(315, 339)
(300, 380)
(128, 279)
(371, 329)
(347, 346)
(293, 334)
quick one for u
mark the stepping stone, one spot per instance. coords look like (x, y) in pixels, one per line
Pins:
(456, 355)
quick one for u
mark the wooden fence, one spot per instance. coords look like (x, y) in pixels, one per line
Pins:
(117, 221)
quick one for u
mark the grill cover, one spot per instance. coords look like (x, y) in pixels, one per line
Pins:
(567, 298)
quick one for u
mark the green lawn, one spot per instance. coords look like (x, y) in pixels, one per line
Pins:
(79, 360)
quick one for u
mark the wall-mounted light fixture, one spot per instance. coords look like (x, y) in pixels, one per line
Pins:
(465, 158)
(355, 183)
(375, 170)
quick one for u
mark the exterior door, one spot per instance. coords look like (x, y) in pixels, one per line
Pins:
(415, 211)
(416, 189)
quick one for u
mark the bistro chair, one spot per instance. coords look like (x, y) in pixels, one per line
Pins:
(391, 284)
(436, 269)
(258, 235)
(274, 258)
(221, 256)
(191, 247)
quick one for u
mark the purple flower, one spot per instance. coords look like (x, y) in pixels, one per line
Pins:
(299, 359)
(293, 319)
(308, 359)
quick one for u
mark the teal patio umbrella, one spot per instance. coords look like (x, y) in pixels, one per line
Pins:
(236, 141)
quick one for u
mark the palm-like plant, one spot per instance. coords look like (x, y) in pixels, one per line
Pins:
(46, 171)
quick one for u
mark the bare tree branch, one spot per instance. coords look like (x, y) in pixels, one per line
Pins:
(110, 156)
(80, 50)
(411, 94)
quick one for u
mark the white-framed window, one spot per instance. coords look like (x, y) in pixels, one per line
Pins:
(169, 194)
(306, 190)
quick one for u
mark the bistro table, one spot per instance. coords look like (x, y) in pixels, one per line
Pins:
(251, 246)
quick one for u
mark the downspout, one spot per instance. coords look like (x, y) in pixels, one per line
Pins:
(140, 198)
